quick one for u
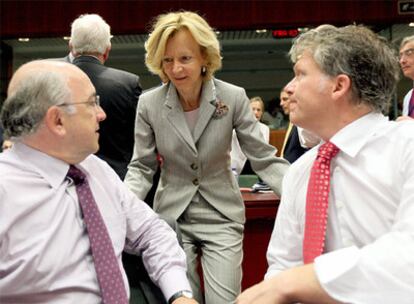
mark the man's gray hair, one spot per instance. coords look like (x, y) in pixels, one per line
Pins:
(365, 57)
(406, 40)
(90, 34)
(24, 110)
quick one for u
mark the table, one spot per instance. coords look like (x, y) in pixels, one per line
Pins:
(261, 209)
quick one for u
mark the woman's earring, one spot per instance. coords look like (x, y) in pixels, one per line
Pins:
(203, 70)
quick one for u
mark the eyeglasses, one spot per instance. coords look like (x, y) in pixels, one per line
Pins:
(92, 103)
(407, 53)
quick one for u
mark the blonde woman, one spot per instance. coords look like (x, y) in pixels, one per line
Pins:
(185, 126)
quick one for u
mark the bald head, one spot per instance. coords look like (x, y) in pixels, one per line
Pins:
(28, 70)
(35, 87)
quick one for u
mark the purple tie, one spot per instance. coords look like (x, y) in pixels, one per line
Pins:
(411, 106)
(106, 264)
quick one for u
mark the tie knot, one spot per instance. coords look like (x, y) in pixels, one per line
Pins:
(76, 175)
(328, 150)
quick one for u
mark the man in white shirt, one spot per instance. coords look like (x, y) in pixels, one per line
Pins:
(49, 243)
(407, 67)
(344, 78)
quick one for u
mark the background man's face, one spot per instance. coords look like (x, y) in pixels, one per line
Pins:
(284, 102)
(407, 60)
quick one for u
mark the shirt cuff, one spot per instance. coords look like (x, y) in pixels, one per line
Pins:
(332, 265)
(173, 281)
(336, 269)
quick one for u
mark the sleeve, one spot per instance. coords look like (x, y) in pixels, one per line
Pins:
(237, 157)
(285, 246)
(157, 243)
(144, 163)
(382, 271)
(261, 154)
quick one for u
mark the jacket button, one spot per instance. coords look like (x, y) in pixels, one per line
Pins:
(194, 166)
(195, 182)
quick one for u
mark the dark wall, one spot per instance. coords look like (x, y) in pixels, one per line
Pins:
(6, 68)
(53, 18)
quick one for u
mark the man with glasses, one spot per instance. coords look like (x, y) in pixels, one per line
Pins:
(118, 90)
(407, 67)
(65, 215)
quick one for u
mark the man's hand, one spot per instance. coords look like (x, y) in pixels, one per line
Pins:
(184, 300)
(266, 292)
(401, 118)
(298, 284)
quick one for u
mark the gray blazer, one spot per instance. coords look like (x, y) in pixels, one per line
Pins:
(199, 161)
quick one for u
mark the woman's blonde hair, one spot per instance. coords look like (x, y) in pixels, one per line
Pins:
(166, 25)
(260, 100)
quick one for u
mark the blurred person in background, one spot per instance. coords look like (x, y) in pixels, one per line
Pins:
(238, 159)
(407, 67)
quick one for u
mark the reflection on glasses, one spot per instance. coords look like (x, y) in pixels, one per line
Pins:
(407, 53)
(93, 103)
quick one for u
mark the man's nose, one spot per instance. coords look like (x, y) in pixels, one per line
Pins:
(100, 115)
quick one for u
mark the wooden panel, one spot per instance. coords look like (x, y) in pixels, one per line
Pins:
(261, 209)
(276, 139)
(37, 18)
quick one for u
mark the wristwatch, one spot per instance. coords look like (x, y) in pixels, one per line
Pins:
(183, 293)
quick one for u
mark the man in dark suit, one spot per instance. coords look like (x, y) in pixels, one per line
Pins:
(292, 148)
(68, 58)
(118, 90)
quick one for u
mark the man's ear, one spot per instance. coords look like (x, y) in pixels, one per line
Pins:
(71, 49)
(106, 54)
(342, 86)
(55, 120)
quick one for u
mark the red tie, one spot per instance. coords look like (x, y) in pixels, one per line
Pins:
(411, 106)
(317, 203)
(104, 258)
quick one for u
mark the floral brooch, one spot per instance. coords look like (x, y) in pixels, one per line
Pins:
(221, 109)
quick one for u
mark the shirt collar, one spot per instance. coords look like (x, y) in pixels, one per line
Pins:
(53, 170)
(355, 135)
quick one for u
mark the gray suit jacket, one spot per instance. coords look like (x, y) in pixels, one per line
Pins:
(199, 161)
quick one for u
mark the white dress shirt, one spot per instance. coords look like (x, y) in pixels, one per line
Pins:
(238, 159)
(45, 252)
(370, 233)
(406, 102)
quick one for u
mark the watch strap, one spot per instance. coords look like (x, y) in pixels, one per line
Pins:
(182, 293)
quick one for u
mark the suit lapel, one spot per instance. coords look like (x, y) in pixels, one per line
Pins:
(175, 116)
(207, 108)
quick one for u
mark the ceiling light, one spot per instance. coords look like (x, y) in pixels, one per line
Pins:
(411, 24)
(66, 37)
(261, 31)
(23, 39)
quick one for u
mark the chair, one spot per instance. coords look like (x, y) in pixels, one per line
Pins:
(143, 290)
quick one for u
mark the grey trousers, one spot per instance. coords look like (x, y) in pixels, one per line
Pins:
(218, 242)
